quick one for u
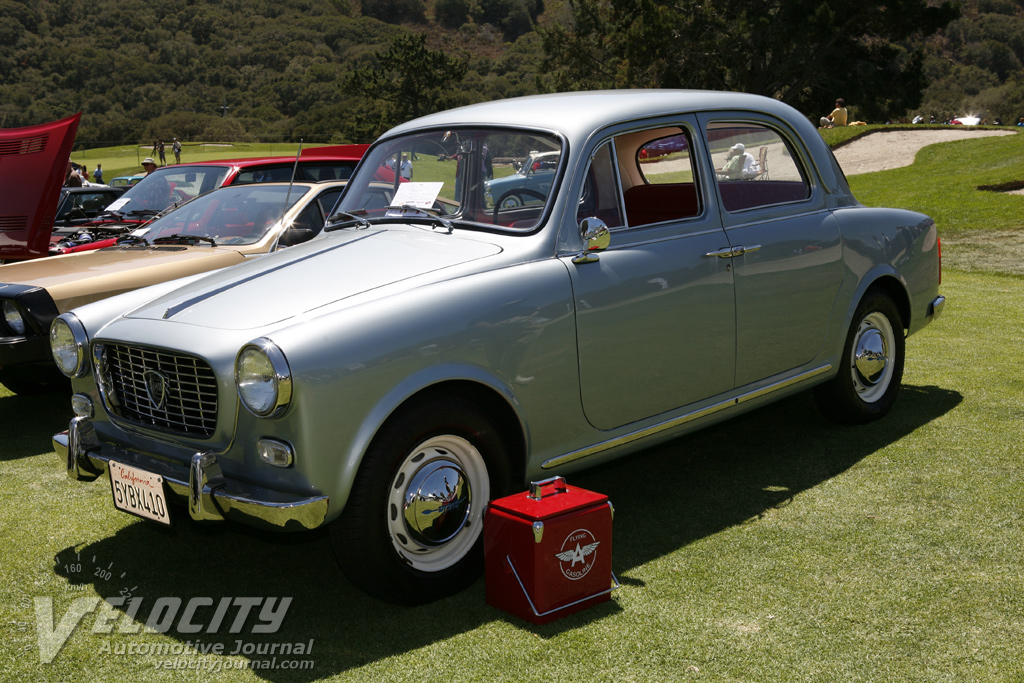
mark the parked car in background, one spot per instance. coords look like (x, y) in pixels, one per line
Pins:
(219, 229)
(391, 376)
(126, 181)
(33, 163)
(78, 205)
(171, 185)
(530, 183)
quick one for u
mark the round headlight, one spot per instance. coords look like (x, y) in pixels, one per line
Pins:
(12, 316)
(67, 343)
(263, 378)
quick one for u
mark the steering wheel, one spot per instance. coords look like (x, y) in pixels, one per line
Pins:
(515, 199)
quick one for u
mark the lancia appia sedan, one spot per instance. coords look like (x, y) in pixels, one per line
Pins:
(432, 351)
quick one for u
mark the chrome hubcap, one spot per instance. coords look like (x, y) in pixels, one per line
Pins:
(433, 518)
(872, 367)
(437, 502)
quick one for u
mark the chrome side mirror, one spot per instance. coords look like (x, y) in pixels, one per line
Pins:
(596, 237)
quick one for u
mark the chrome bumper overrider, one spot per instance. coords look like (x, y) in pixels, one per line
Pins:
(935, 308)
(209, 494)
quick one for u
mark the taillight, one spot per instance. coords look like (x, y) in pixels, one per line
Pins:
(939, 240)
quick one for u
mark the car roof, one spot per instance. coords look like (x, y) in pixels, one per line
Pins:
(311, 155)
(577, 114)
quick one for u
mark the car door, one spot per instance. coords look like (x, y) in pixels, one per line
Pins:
(655, 316)
(785, 246)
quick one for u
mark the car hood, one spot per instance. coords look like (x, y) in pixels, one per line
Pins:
(33, 161)
(77, 279)
(313, 275)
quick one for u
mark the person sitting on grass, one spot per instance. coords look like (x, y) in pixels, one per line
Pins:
(838, 117)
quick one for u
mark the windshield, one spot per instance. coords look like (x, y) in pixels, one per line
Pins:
(166, 186)
(493, 177)
(231, 215)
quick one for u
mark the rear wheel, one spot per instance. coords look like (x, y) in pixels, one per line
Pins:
(871, 368)
(411, 531)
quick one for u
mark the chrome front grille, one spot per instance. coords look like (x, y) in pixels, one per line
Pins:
(160, 389)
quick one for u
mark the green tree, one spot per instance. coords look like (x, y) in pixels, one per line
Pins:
(804, 52)
(409, 80)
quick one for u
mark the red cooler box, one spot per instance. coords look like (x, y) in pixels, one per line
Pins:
(548, 552)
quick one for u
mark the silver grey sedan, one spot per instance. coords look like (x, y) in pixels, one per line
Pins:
(437, 346)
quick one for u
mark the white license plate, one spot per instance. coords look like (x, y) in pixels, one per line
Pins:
(138, 492)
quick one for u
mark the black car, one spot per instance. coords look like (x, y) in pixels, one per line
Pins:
(78, 205)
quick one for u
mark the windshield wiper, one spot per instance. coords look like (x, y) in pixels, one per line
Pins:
(430, 212)
(340, 219)
(187, 239)
(132, 239)
(143, 212)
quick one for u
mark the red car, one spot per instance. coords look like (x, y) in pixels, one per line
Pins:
(33, 161)
(170, 186)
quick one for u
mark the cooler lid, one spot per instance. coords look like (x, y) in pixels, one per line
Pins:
(548, 498)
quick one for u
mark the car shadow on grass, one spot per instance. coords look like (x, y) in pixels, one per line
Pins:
(665, 498)
(28, 423)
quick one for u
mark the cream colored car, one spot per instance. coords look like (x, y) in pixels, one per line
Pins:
(219, 229)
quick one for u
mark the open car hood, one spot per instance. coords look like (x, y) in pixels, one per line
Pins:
(33, 161)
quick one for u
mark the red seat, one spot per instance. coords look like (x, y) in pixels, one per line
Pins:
(646, 204)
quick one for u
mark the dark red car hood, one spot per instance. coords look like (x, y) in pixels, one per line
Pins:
(33, 161)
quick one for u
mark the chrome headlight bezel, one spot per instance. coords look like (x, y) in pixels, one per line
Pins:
(14, 319)
(69, 345)
(263, 379)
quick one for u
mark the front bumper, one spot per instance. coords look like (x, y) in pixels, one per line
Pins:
(208, 493)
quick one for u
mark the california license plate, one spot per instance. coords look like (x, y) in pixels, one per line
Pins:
(138, 492)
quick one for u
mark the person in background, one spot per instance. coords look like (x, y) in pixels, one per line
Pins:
(71, 177)
(97, 175)
(149, 165)
(177, 151)
(406, 169)
(160, 152)
(838, 117)
(739, 164)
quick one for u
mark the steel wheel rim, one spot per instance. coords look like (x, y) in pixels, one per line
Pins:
(511, 202)
(454, 516)
(872, 364)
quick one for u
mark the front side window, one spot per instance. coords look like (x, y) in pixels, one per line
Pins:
(600, 196)
(656, 173)
(494, 177)
(754, 166)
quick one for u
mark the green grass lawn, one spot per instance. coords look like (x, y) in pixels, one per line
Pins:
(775, 547)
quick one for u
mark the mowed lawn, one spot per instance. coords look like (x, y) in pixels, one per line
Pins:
(775, 547)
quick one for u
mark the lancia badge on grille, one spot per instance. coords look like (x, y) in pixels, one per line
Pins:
(156, 388)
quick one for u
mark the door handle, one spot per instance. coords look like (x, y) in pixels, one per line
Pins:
(733, 252)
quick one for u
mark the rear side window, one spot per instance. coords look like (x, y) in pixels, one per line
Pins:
(754, 167)
(658, 183)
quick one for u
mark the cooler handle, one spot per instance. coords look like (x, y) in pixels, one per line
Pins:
(529, 600)
(536, 486)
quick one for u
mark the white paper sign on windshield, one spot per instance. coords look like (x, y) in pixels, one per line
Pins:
(416, 196)
(118, 203)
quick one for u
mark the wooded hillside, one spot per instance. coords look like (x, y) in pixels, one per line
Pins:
(343, 70)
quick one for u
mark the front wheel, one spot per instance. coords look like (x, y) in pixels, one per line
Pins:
(411, 531)
(871, 368)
